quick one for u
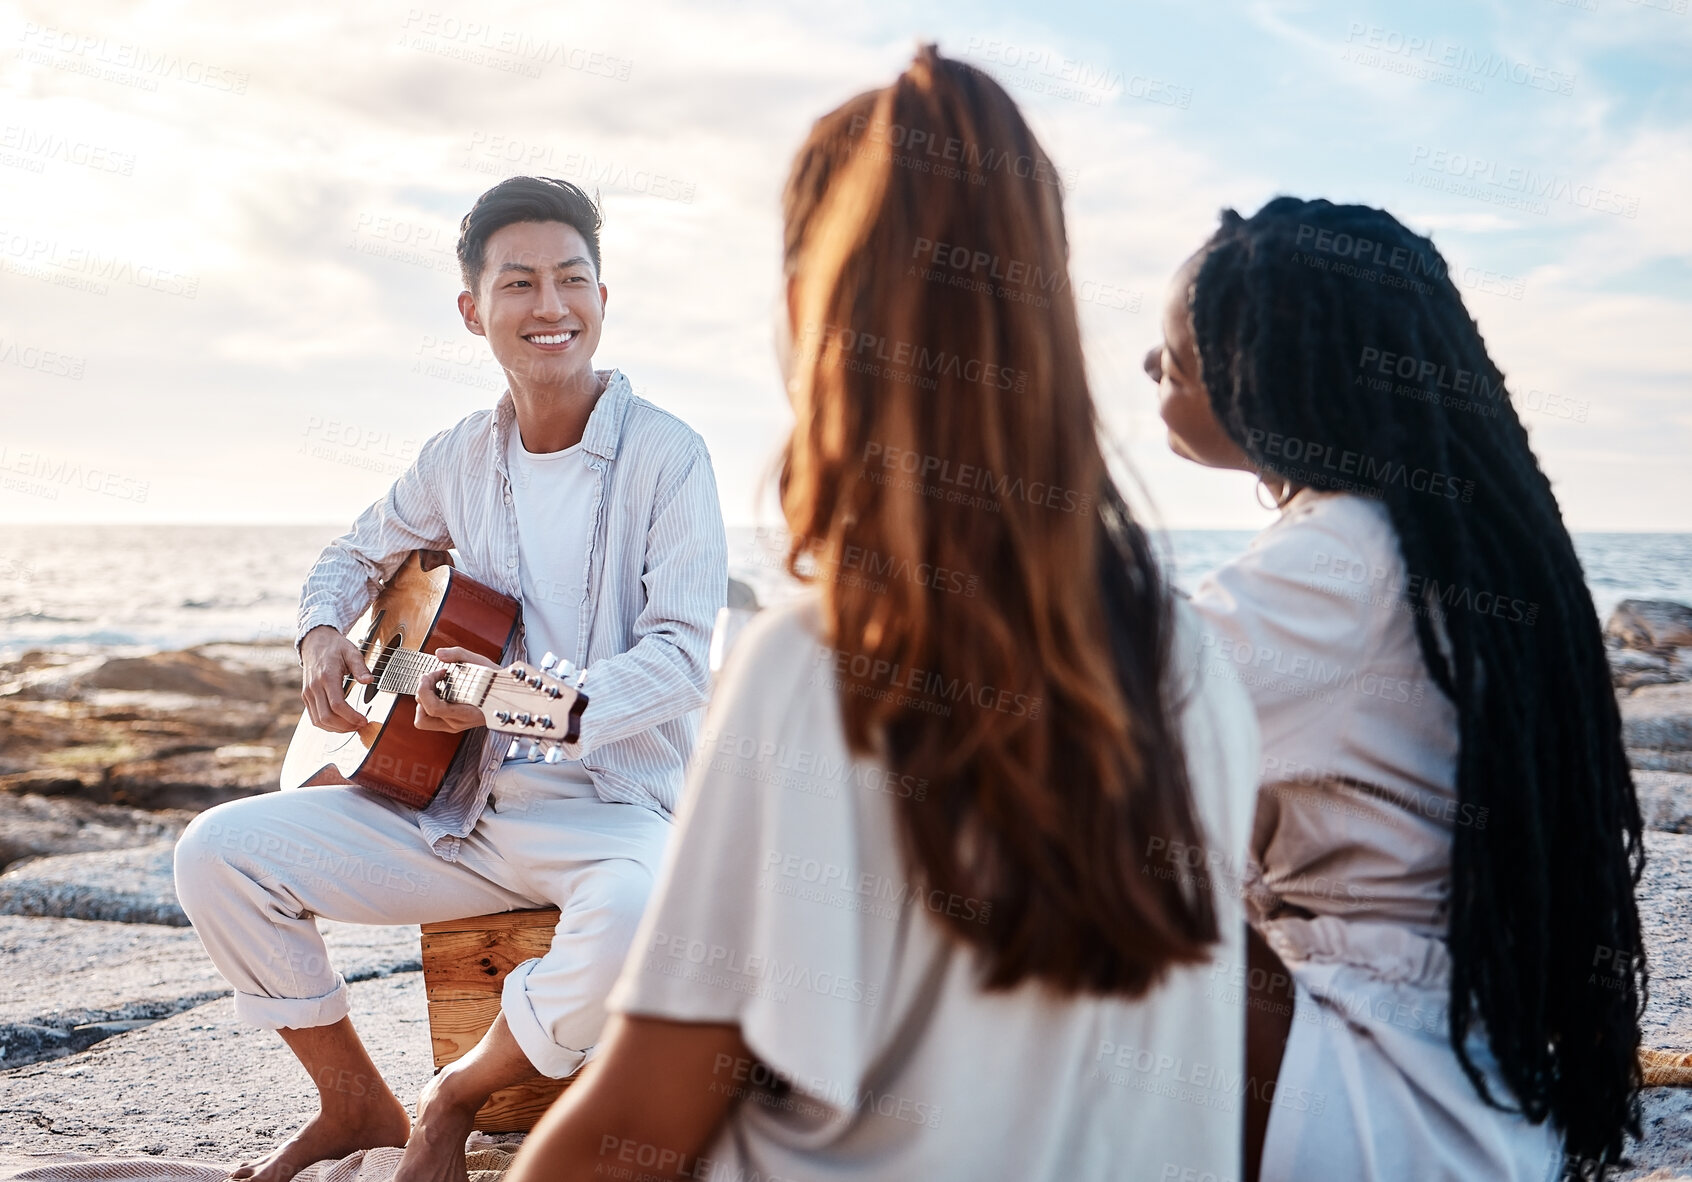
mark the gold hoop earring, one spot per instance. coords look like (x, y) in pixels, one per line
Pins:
(1262, 486)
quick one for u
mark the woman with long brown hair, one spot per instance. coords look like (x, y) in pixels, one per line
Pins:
(950, 895)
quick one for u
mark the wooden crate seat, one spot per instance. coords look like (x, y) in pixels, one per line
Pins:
(464, 966)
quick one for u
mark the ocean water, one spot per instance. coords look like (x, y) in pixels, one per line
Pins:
(134, 589)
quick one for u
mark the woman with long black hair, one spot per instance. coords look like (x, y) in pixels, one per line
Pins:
(1447, 839)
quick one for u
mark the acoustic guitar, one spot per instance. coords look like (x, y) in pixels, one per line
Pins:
(428, 604)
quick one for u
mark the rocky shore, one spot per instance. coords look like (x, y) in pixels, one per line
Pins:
(117, 1036)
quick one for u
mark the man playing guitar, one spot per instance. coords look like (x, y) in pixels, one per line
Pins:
(598, 513)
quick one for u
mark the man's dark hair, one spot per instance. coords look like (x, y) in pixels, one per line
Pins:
(1542, 881)
(524, 199)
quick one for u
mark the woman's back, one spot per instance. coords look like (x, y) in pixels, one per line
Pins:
(1033, 969)
(813, 939)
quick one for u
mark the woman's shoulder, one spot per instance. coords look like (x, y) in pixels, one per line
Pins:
(1334, 527)
(1325, 548)
(1339, 510)
(1312, 592)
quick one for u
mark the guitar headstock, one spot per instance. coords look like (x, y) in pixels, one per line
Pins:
(542, 705)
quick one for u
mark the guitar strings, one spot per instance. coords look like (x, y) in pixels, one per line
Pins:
(406, 667)
(410, 667)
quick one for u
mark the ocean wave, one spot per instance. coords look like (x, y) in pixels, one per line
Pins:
(221, 603)
(41, 617)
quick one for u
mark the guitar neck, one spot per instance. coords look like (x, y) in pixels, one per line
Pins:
(534, 703)
(405, 669)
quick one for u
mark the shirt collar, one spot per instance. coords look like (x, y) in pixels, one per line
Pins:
(604, 426)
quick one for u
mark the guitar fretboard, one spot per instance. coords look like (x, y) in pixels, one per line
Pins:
(406, 668)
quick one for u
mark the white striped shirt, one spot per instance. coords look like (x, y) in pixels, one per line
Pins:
(658, 563)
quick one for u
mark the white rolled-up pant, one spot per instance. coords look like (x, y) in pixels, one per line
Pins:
(253, 875)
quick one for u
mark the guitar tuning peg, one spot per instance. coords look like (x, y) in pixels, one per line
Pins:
(581, 678)
(554, 755)
(512, 751)
(534, 750)
(548, 661)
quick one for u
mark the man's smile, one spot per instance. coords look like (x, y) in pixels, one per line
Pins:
(551, 340)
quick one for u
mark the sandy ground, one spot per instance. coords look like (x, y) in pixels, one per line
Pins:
(199, 1084)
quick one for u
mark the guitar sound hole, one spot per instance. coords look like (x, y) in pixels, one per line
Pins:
(375, 630)
(381, 667)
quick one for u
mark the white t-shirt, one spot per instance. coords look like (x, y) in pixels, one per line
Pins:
(553, 493)
(784, 908)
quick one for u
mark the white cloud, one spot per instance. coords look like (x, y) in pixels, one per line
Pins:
(309, 306)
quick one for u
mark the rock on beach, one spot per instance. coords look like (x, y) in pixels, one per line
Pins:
(126, 886)
(32, 826)
(171, 730)
(1652, 625)
(1649, 642)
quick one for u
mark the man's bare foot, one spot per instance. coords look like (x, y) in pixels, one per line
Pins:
(330, 1136)
(435, 1152)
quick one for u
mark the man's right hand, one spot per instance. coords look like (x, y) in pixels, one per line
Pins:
(328, 658)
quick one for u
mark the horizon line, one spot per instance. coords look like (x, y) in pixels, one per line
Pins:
(341, 528)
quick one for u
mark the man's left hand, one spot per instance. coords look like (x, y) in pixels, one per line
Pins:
(433, 714)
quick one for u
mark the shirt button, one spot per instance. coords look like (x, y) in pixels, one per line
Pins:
(507, 498)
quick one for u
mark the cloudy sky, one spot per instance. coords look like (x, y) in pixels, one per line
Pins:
(226, 230)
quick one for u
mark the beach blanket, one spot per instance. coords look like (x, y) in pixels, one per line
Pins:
(486, 1164)
(486, 1161)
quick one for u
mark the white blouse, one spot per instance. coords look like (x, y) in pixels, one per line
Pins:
(784, 907)
(1359, 746)
(1352, 851)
